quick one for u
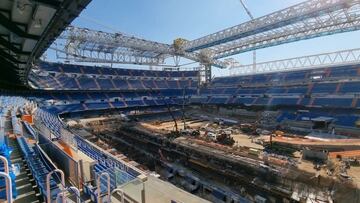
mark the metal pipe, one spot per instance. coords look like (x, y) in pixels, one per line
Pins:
(76, 190)
(8, 186)
(99, 184)
(122, 195)
(6, 164)
(48, 176)
(6, 170)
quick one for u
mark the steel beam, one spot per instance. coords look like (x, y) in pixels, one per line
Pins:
(86, 45)
(299, 12)
(12, 27)
(344, 20)
(10, 46)
(339, 58)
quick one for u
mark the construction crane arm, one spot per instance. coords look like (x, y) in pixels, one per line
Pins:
(306, 10)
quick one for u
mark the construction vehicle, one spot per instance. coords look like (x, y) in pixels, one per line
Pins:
(225, 139)
(248, 128)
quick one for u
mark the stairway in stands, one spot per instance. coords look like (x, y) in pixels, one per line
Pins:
(25, 185)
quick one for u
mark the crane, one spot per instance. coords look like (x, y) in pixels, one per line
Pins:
(252, 18)
(306, 20)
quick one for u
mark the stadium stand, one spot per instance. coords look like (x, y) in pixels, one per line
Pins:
(65, 76)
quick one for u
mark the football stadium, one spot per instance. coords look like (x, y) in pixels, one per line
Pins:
(94, 114)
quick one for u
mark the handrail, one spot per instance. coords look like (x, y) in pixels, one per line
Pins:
(121, 194)
(77, 192)
(48, 184)
(6, 164)
(75, 189)
(6, 171)
(98, 184)
(8, 187)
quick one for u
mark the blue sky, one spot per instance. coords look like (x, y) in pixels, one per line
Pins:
(166, 20)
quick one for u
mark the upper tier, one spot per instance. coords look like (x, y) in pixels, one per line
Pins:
(301, 76)
(67, 76)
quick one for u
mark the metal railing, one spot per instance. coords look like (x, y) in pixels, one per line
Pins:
(8, 182)
(48, 193)
(98, 184)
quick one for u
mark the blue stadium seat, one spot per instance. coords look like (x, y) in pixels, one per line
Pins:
(134, 103)
(276, 90)
(217, 91)
(105, 84)
(173, 84)
(108, 71)
(184, 84)
(230, 91)
(244, 91)
(68, 82)
(67, 68)
(262, 101)
(87, 83)
(54, 67)
(298, 90)
(136, 84)
(161, 84)
(305, 101)
(100, 105)
(284, 101)
(260, 78)
(244, 100)
(333, 102)
(350, 87)
(121, 84)
(123, 72)
(347, 120)
(324, 88)
(218, 100)
(90, 70)
(294, 76)
(345, 71)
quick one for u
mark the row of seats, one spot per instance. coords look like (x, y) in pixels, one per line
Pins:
(96, 96)
(312, 88)
(349, 71)
(9, 104)
(40, 167)
(103, 159)
(328, 101)
(75, 107)
(347, 119)
(89, 83)
(91, 70)
(50, 121)
(91, 190)
(30, 130)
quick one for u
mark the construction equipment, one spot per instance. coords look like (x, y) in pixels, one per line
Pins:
(225, 139)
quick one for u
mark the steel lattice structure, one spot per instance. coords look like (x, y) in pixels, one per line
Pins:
(339, 21)
(288, 16)
(84, 45)
(310, 19)
(344, 57)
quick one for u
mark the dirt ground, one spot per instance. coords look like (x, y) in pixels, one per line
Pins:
(354, 172)
(240, 138)
(245, 141)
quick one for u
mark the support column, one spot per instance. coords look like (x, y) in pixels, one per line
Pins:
(205, 74)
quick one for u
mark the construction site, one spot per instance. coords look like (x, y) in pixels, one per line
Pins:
(180, 101)
(239, 158)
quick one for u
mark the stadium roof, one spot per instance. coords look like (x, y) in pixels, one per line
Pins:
(27, 28)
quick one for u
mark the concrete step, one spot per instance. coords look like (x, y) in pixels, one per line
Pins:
(25, 184)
